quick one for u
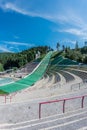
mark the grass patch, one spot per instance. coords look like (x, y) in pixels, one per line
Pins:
(3, 92)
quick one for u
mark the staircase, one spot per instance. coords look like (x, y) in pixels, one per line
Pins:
(74, 120)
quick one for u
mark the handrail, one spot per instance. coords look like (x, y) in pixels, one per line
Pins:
(10, 97)
(64, 101)
(6, 96)
(79, 84)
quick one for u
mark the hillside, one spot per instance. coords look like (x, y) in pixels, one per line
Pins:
(17, 60)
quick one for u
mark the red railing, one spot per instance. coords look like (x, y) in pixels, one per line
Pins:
(62, 100)
(6, 97)
(10, 97)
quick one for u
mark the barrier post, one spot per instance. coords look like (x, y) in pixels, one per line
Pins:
(63, 101)
(79, 86)
(39, 110)
(71, 87)
(64, 106)
(5, 98)
(10, 99)
(82, 105)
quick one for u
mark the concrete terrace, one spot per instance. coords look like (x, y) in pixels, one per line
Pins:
(21, 110)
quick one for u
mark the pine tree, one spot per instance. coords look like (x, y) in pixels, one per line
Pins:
(57, 46)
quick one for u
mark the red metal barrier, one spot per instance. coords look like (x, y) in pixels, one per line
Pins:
(9, 97)
(4, 96)
(64, 101)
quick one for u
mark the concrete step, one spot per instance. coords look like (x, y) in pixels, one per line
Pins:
(71, 125)
(83, 128)
(67, 76)
(29, 110)
(60, 121)
(48, 122)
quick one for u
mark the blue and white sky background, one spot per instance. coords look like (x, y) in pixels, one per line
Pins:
(29, 23)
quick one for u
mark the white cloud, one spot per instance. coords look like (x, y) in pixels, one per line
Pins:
(68, 41)
(13, 7)
(11, 46)
(55, 16)
(74, 22)
(78, 32)
(19, 43)
(75, 31)
(4, 49)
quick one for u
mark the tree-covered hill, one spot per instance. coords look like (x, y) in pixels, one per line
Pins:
(17, 60)
(79, 54)
(12, 60)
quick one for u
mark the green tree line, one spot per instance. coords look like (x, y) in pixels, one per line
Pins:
(17, 60)
(77, 54)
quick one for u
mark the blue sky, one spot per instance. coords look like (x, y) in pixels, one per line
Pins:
(28, 23)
